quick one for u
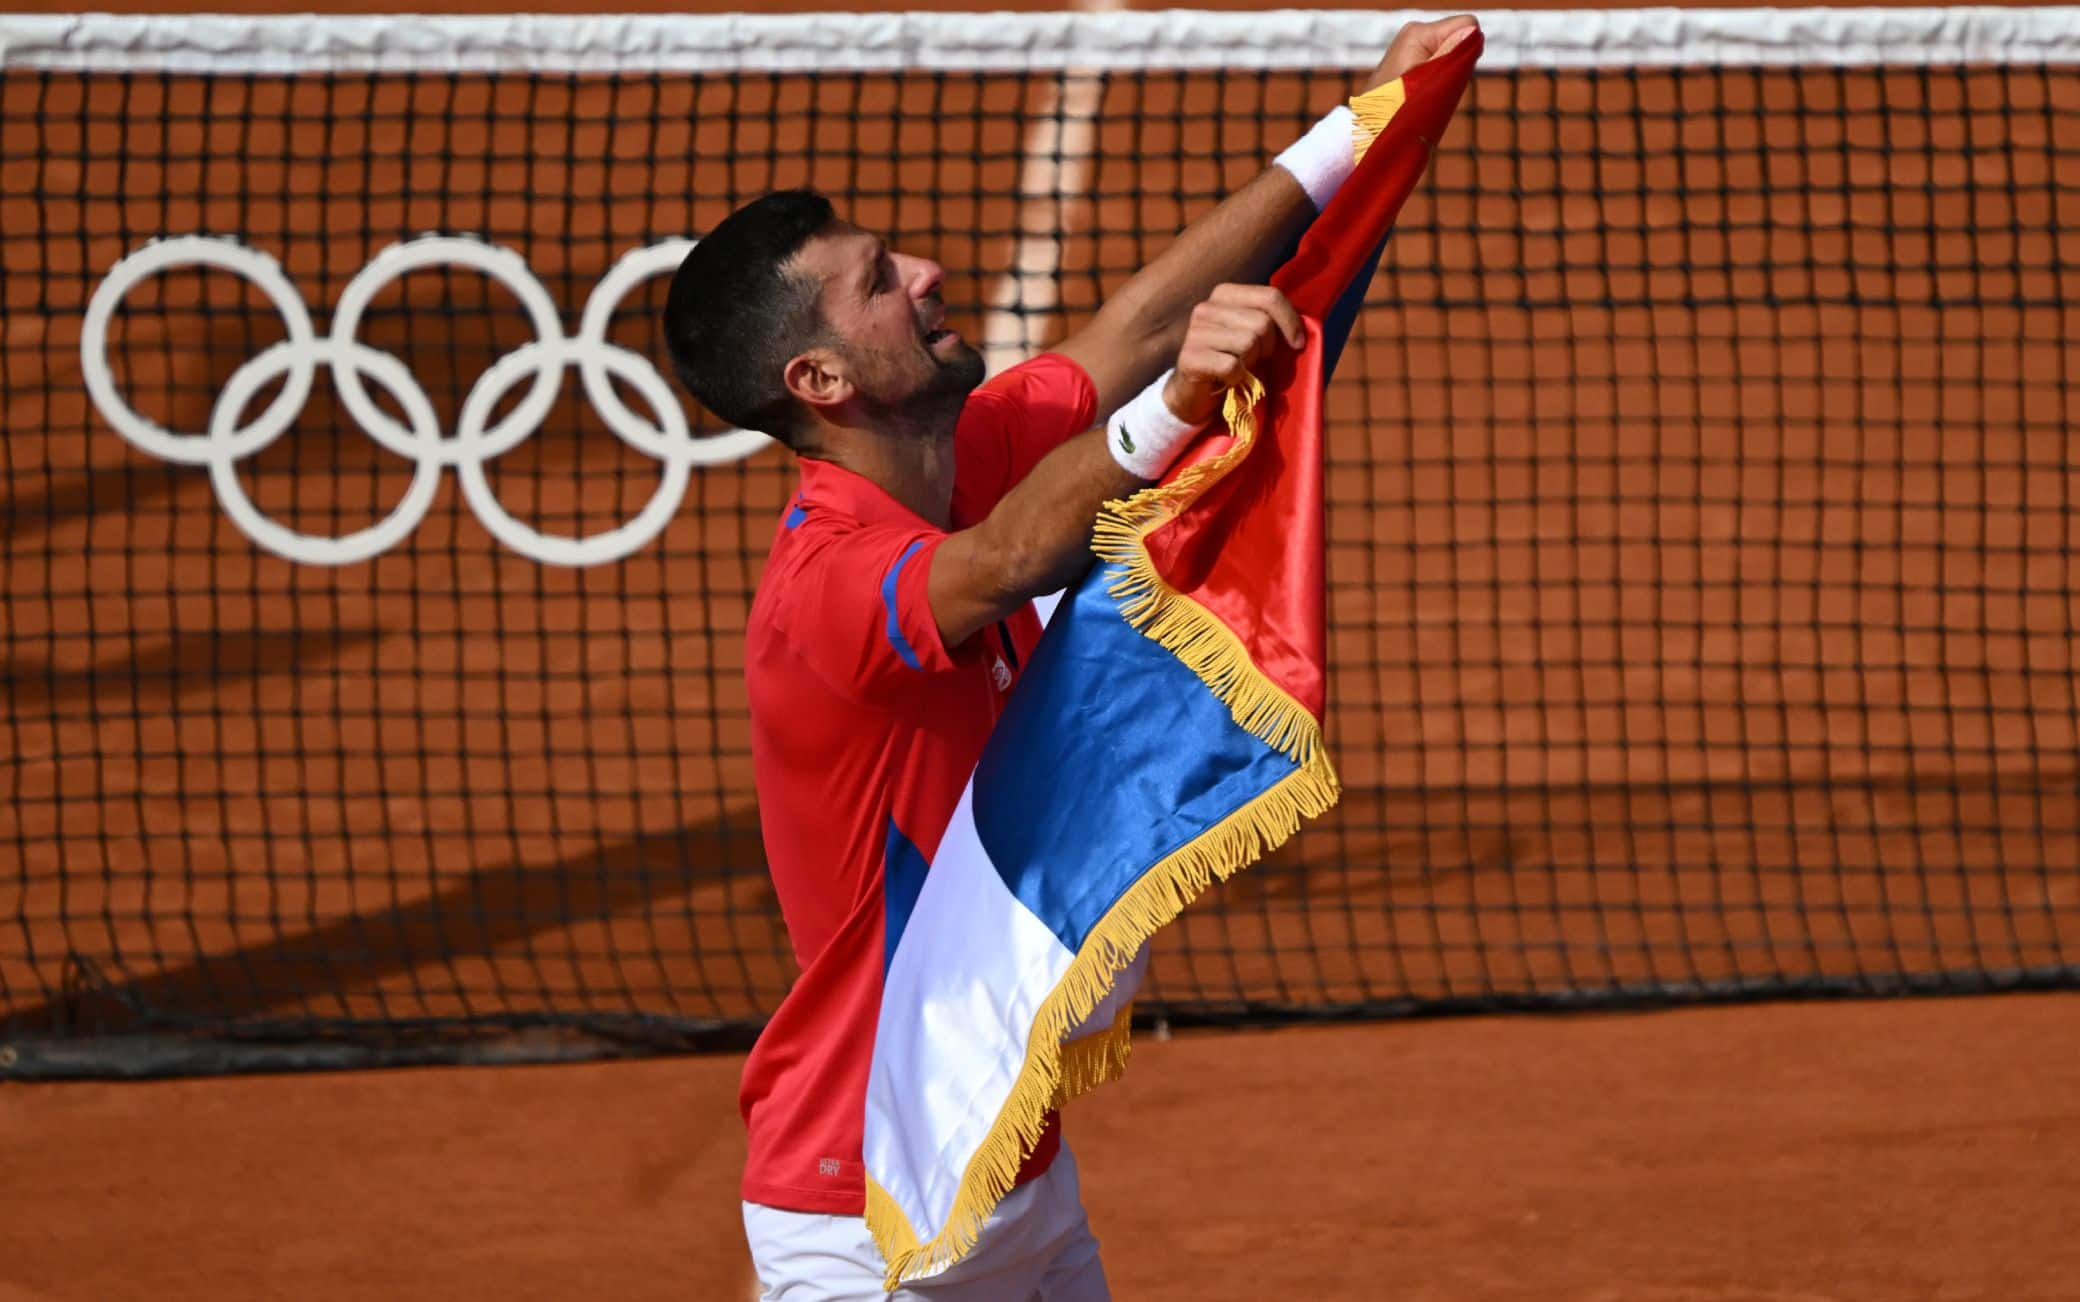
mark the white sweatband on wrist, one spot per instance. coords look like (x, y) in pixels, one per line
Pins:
(1323, 159)
(1144, 436)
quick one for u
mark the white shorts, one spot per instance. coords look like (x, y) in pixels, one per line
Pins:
(1036, 1247)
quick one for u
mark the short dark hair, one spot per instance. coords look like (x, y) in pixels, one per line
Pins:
(737, 314)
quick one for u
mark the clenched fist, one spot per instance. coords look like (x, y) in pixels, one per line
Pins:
(1420, 43)
(1234, 329)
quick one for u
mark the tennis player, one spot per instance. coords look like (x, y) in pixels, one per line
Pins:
(896, 611)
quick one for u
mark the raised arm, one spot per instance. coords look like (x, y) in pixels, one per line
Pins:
(1196, 304)
(1138, 331)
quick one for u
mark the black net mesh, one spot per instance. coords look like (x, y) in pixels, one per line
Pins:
(1702, 548)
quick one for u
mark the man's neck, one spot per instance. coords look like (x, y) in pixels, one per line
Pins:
(914, 469)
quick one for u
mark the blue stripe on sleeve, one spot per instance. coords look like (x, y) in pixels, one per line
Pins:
(888, 599)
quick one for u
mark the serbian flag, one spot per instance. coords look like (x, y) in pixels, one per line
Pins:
(1167, 733)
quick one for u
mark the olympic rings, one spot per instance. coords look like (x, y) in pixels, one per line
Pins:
(294, 361)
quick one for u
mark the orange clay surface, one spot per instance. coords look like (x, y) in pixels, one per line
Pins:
(1920, 1149)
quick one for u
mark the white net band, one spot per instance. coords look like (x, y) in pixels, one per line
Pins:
(1145, 41)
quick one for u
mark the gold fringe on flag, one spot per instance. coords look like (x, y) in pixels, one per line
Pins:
(1373, 110)
(1054, 1072)
(1096, 1059)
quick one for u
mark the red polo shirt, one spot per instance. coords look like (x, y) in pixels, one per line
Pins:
(864, 730)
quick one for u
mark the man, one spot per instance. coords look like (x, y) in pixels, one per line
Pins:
(895, 613)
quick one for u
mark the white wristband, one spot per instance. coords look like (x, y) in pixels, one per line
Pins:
(1323, 159)
(1144, 436)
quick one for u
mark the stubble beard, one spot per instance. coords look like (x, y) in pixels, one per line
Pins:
(933, 408)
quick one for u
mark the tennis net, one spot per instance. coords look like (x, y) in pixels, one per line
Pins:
(1702, 524)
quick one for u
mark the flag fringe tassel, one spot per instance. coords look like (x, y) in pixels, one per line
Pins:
(1372, 111)
(1053, 1071)
(1097, 1059)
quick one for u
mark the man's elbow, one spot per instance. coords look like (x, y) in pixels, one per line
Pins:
(1141, 331)
(1021, 573)
(1041, 569)
(1156, 327)
(1031, 565)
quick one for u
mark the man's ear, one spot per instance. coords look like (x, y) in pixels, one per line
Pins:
(817, 379)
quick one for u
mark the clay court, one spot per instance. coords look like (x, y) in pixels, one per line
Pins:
(1702, 578)
(1912, 1149)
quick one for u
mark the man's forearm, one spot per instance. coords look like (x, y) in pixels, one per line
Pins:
(1137, 333)
(1045, 521)
(1036, 540)
(1239, 241)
